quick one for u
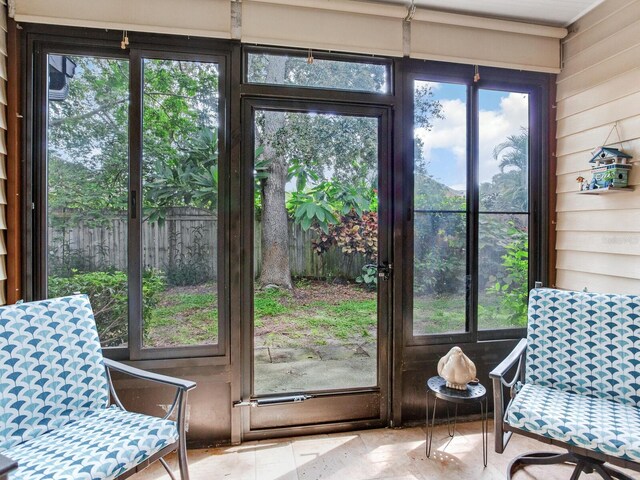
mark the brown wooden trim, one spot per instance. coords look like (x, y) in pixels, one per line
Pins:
(14, 124)
(553, 163)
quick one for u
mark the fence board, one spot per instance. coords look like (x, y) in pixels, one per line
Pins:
(184, 233)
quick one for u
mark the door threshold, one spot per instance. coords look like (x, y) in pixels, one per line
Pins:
(315, 429)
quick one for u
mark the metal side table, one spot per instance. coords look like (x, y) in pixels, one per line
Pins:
(436, 386)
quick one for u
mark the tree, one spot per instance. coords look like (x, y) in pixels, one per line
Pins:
(508, 190)
(309, 150)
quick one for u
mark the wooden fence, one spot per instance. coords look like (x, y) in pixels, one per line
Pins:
(186, 234)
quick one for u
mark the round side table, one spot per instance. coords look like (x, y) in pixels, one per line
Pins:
(436, 386)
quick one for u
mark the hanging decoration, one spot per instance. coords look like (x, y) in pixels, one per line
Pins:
(125, 40)
(476, 74)
(310, 57)
(609, 166)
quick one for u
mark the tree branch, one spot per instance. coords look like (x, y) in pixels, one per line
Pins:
(60, 121)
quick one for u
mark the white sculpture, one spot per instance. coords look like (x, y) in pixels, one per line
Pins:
(456, 368)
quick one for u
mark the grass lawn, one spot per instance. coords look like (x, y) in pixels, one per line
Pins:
(313, 313)
(446, 314)
(184, 316)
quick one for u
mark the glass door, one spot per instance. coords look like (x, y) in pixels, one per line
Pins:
(318, 327)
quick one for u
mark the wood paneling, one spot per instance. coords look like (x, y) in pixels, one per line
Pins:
(616, 87)
(583, 221)
(598, 237)
(577, 280)
(600, 71)
(627, 266)
(599, 24)
(589, 139)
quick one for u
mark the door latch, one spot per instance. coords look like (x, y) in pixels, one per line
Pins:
(384, 270)
(266, 401)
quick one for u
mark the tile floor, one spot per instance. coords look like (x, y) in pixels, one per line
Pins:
(397, 454)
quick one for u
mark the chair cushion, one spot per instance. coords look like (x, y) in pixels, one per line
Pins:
(101, 446)
(593, 423)
(586, 343)
(51, 367)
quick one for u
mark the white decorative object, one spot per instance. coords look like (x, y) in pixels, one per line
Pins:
(456, 368)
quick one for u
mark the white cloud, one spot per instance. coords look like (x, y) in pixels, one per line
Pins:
(495, 125)
(447, 133)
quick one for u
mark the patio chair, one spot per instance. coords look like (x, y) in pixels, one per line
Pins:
(57, 420)
(577, 383)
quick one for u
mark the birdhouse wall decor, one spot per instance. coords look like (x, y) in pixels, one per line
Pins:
(609, 168)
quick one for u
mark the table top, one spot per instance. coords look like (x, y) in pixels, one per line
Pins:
(473, 393)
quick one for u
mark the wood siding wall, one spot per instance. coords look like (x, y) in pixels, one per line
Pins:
(598, 237)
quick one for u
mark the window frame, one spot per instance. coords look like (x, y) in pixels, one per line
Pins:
(48, 40)
(531, 83)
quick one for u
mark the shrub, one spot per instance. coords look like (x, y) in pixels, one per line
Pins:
(369, 277)
(353, 234)
(107, 292)
(513, 289)
(190, 264)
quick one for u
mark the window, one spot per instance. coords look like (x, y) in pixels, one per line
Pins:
(503, 219)
(86, 151)
(475, 184)
(179, 200)
(440, 208)
(131, 190)
(265, 66)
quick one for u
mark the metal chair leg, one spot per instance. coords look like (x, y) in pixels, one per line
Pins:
(583, 465)
(183, 461)
(538, 458)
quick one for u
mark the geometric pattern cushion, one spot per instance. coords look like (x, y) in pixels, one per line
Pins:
(593, 423)
(101, 446)
(585, 343)
(51, 367)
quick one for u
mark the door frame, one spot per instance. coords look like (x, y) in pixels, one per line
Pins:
(328, 410)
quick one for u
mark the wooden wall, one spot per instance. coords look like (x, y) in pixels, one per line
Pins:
(598, 237)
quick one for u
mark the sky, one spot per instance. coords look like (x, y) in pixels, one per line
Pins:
(501, 114)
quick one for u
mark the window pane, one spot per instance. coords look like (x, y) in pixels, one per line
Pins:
(439, 287)
(331, 74)
(503, 271)
(504, 151)
(87, 186)
(180, 200)
(316, 247)
(440, 190)
(440, 148)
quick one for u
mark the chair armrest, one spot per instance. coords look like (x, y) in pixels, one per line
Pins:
(497, 376)
(501, 370)
(6, 466)
(179, 383)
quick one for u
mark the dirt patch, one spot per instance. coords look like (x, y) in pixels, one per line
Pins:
(314, 291)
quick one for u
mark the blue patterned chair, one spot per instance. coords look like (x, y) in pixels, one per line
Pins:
(56, 416)
(576, 383)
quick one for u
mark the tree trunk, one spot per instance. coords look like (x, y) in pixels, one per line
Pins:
(274, 268)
